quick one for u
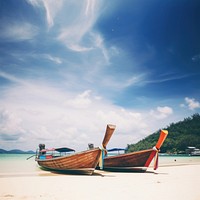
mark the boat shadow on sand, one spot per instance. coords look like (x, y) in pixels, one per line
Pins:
(72, 172)
(100, 173)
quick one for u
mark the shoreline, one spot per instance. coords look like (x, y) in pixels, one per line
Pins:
(180, 182)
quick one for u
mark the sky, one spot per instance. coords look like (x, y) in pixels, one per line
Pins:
(70, 67)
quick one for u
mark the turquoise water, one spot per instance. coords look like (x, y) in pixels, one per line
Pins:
(175, 160)
(165, 160)
(18, 163)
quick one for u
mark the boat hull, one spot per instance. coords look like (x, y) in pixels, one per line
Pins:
(135, 161)
(82, 163)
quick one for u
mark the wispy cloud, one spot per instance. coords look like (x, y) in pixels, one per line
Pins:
(34, 3)
(119, 82)
(51, 7)
(168, 77)
(74, 33)
(98, 43)
(55, 59)
(76, 30)
(12, 78)
(18, 31)
(135, 80)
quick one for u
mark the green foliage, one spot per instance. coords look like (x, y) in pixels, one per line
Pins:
(181, 135)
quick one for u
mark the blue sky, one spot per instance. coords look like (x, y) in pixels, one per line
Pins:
(69, 68)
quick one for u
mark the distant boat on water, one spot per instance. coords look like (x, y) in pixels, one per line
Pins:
(193, 151)
(134, 161)
(196, 152)
(65, 160)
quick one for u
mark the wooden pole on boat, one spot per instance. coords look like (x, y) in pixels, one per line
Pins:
(29, 157)
(109, 131)
(163, 135)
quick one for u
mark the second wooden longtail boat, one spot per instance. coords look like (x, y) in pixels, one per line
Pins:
(134, 161)
(83, 162)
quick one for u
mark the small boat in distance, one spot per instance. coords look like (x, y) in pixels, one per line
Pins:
(195, 152)
(63, 160)
(135, 161)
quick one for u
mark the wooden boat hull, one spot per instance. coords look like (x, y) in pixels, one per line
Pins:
(84, 162)
(135, 161)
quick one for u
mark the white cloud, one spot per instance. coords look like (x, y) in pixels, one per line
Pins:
(192, 104)
(18, 31)
(161, 112)
(82, 100)
(9, 122)
(39, 113)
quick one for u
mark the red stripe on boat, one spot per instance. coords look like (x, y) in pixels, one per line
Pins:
(153, 153)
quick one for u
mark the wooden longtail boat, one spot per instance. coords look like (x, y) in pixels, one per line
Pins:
(135, 161)
(83, 162)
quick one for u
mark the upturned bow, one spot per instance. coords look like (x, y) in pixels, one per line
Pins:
(154, 153)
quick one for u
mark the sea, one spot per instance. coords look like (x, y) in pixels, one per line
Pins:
(24, 164)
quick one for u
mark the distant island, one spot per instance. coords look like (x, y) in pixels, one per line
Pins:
(181, 135)
(15, 151)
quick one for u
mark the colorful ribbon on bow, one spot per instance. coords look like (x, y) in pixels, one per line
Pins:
(154, 154)
(102, 155)
(156, 158)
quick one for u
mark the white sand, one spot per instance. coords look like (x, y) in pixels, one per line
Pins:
(167, 183)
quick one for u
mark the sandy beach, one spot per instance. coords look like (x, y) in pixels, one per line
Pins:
(168, 182)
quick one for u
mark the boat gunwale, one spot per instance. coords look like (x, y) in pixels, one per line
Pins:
(67, 156)
(128, 154)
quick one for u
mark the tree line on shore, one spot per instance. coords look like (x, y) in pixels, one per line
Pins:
(181, 135)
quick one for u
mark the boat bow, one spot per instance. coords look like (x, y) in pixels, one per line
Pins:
(156, 148)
